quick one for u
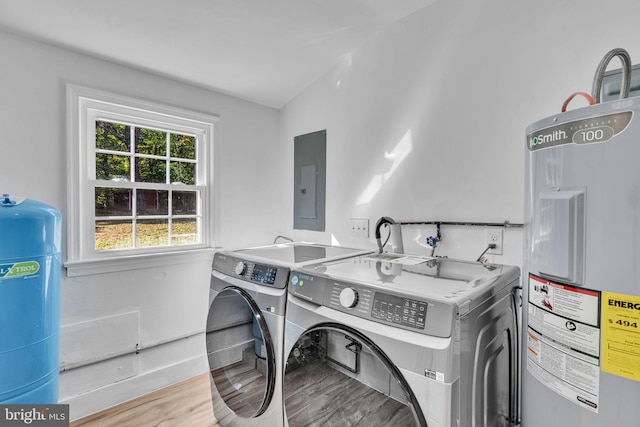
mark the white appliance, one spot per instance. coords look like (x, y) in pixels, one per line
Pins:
(581, 270)
(399, 340)
(245, 328)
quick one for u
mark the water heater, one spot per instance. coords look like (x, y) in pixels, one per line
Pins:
(30, 270)
(581, 282)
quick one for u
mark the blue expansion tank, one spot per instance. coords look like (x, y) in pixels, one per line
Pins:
(30, 269)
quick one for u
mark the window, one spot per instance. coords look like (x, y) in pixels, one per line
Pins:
(140, 178)
(146, 192)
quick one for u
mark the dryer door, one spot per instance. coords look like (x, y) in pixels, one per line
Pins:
(241, 356)
(337, 376)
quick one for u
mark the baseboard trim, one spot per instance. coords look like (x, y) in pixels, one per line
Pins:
(104, 397)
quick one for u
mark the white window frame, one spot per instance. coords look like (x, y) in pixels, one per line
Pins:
(84, 107)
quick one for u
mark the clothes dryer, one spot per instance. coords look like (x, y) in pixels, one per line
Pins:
(393, 340)
(245, 328)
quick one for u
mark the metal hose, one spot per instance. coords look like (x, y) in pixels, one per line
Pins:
(626, 74)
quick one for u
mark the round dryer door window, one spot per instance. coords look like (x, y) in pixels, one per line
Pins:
(335, 376)
(241, 355)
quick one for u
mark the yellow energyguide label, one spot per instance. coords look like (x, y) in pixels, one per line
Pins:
(620, 349)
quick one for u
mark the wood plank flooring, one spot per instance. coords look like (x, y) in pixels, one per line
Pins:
(186, 404)
(317, 395)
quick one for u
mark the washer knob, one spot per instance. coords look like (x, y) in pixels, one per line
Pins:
(348, 297)
(241, 267)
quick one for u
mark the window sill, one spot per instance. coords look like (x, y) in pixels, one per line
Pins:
(135, 262)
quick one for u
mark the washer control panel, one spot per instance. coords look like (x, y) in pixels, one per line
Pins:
(403, 311)
(361, 301)
(258, 273)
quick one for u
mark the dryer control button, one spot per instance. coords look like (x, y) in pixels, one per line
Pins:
(241, 267)
(348, 297)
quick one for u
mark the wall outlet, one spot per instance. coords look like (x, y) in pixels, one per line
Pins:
(358, 227)
(493, 235)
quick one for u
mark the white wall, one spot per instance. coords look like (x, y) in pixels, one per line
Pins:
(162, 311)
(427, 121)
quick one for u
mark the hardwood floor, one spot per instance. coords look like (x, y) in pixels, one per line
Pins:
(186, 404)
(317, 395)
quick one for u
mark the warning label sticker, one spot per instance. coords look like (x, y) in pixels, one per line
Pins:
(621, 335)
(563, 340)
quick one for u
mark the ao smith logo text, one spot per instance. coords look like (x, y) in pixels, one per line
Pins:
(552, 138)
(580, 132)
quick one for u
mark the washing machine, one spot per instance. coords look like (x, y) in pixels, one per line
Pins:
(245, 328)
(396, 340)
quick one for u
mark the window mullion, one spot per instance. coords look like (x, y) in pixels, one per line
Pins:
(132, 154)
(134, 201)
(134, 217)
(170, 195)
(167, 159)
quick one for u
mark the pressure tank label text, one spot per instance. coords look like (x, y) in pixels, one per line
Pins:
(19, 269)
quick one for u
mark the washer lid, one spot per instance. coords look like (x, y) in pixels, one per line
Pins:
(297, 253)
(436, 279)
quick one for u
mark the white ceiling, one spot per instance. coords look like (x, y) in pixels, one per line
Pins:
(266, 51)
